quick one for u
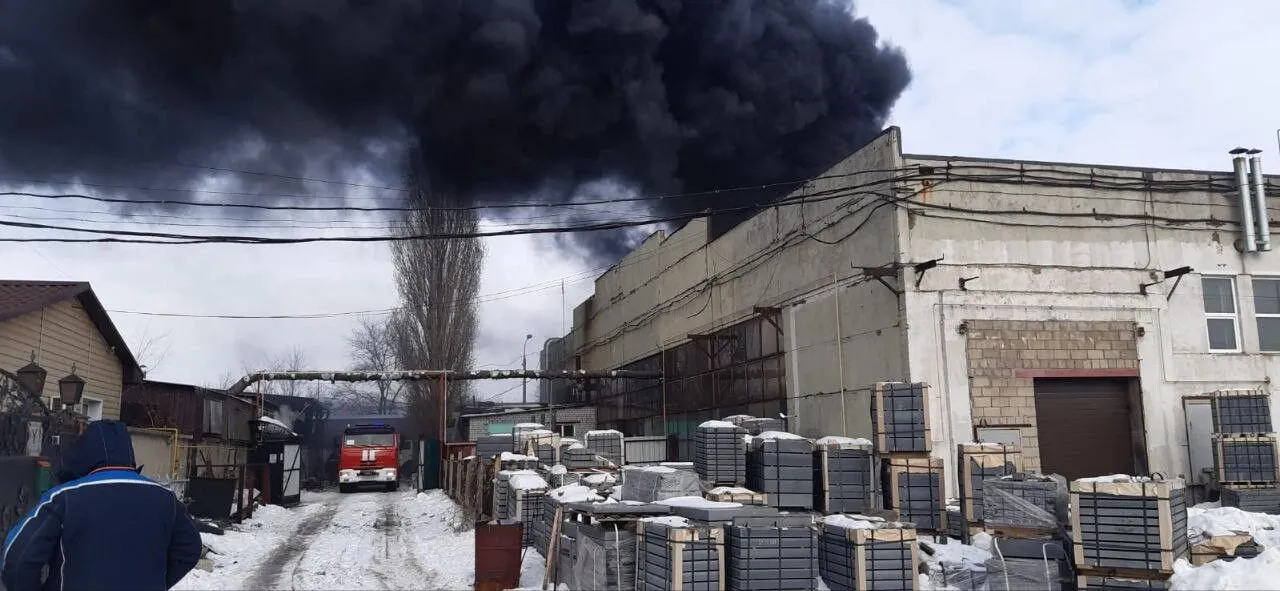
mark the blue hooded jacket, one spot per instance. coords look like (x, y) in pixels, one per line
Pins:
(109, 528)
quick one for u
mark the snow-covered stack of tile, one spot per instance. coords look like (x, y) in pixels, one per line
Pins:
(720, 453)
(843, 475)
(578, 457)
(657, 483)
(756, 426)
(525, 501)
(606, 557)
(606, 443)
(780, 465)
(502, 491)
(674, 553)
(1129, 522)
(737, 419)
(858, 553)
(573, 493)
(528, 442)
(774, 552)
(1025, 501)
(977, 463)
(490, 446)
(523, 428)
(900, 417)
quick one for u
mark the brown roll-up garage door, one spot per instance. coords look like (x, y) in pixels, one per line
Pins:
(1084, 426)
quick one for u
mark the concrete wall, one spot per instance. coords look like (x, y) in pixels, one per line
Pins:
(62, 335)
(787, 257)
(583, 419)
(1067, 257)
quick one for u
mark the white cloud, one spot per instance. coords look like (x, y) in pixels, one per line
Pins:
(1172, 83)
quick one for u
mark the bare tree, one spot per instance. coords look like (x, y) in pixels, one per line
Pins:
(151, 349)
(438, 280)
(373, 349)
(295, 359)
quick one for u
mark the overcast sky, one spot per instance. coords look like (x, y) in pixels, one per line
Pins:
(1170, 83)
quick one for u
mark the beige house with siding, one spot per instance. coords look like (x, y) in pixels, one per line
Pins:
(65, 326)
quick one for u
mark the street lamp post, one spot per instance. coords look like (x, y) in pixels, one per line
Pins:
(524, 366)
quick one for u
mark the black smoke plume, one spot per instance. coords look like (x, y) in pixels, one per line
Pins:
(506, 98)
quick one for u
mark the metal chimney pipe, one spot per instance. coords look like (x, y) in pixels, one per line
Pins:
(1240, 164)
(1260, 201)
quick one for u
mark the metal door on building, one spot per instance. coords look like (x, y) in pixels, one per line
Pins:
(1084, 426)
(292, 473)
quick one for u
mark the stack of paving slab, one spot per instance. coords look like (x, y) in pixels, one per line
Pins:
(978, 462)
(578, 457)
(545, 526)
(1256, 500)
(1132, 523)
(720, 453)
(1246, 454)
(915, 488)
(674, 553)
(780, 465)
(502, 491)
(772, 552)
(524, 500)
(607, 443)
(843, 475)
(1029, 564)
(524, 428)
(900, 417)
(858, 553)
(647, 484)
(756, 425)
(1029, 503)
(737, 419)
(606, 557)
(491, 446)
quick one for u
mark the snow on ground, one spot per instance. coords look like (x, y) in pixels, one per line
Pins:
(373, 540)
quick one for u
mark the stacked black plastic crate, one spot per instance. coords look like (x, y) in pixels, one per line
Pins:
(1136, 525)
(782, 469)
(772, 553)
(858, 555)
(843, 475)
(1245, 451)
(912, 482)
(675, 554)
(720, 453)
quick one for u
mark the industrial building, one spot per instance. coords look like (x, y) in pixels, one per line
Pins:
(1071, 309)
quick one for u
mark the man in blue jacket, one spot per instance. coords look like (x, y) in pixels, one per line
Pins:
(109, 528)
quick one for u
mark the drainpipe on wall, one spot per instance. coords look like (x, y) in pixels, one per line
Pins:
(1240, 165)
(1260, 201)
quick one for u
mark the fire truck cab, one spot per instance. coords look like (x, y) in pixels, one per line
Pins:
(369, 454)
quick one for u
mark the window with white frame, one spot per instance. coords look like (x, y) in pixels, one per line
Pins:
(91, 407)
(1266, 308)
(1221, 315)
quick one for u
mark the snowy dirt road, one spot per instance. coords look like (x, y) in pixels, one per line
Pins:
(369, 540)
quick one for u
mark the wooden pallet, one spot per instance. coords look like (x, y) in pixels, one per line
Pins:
(746, 497)
(1122, 573)
(1023, 533)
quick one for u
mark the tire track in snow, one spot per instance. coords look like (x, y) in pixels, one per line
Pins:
(268, 574)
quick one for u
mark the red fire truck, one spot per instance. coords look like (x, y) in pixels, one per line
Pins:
(369, 453)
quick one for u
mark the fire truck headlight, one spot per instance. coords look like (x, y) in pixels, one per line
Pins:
(387, 474)
(347, 476)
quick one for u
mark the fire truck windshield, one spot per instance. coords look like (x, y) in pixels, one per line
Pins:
(369, 440)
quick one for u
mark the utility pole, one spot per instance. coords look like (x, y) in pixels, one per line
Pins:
(524, 366)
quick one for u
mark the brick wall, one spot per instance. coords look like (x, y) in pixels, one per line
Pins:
(1001, 353)
(583, 419)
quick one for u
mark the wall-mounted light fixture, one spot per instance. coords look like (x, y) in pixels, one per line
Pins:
(32, 377)
(1175, 274)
